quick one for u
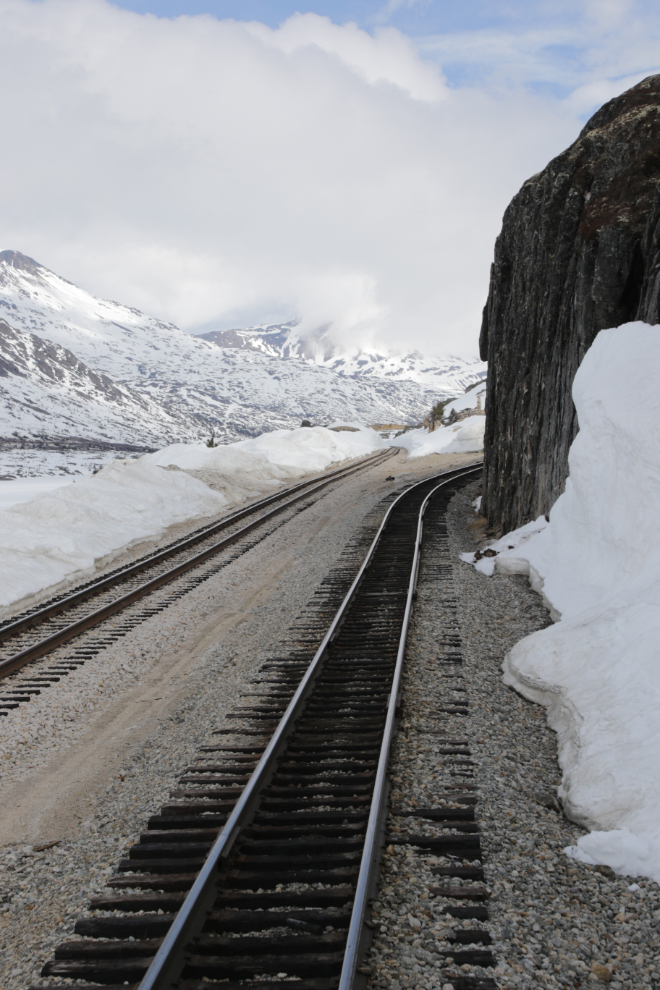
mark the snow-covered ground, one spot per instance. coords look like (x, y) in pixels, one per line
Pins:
(73, 528)
(597, 563)
(77, 366)
(27, 472)
(462, 438)
(23, 489)
(32, 462)
(469, 400)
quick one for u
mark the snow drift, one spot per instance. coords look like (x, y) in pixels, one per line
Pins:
(45, 540)
(248, 468)
(464, 437)
(78, 526)
(597, 563)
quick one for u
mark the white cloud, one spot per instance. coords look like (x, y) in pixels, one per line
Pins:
(387, 57)
(575, 45)
(584, 99)
(218, 173)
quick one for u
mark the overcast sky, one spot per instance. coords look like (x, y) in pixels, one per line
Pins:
(349, 164)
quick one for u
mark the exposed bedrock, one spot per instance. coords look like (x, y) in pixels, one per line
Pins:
(579, 251)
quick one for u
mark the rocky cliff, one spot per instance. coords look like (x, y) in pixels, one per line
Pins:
(579, 251)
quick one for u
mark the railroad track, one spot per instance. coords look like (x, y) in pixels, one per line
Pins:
(41, 630)
(263, 864)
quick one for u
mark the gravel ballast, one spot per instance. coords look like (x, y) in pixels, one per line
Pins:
(554, 922)
(85, 763)
(78, 792)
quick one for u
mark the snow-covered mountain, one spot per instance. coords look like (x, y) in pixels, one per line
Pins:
(124, 373)
(43, 384)
(449, 375)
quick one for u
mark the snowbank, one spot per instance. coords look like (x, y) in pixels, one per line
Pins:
(248, 468)
(468, 400)
(47, 539)
(313, 449)
(598, 565)
(463, 437)
(24, 489)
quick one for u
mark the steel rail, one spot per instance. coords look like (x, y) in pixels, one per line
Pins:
(34, 618)
(370, 853)
(169, 961)
(44, 646)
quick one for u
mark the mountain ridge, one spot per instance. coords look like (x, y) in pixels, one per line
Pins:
(182, 386)
(282, 340)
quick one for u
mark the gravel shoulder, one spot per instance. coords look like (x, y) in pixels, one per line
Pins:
(554, 922)
(83, 765)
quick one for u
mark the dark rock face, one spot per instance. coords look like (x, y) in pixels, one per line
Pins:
(25, 355)
(21, 261)
(579, 251)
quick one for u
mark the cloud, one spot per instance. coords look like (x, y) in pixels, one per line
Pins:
(389, 9)
(387, 57)
(218, 173)
(564, 45)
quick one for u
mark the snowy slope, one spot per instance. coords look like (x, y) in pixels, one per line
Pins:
(447, 376)
(473, 399)
(191, 382)
(46, 390)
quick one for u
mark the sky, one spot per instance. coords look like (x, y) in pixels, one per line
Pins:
(225, 164)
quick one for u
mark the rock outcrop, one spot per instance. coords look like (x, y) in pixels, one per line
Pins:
(579, 251)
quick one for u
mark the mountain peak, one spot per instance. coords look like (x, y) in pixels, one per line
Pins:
(21, 261)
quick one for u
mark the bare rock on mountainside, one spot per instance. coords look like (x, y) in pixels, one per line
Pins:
(42, 383)
(579, 252)
(156, 384)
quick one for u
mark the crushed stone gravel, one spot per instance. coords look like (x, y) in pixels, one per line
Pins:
(44, 891)
(554, 922)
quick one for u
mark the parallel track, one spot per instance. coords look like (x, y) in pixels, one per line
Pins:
(266, 857)
(22, 639)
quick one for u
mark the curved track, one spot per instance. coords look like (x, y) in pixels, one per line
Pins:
(265, 859)
(22, 639)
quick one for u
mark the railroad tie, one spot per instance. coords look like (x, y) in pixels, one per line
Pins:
(284, 901)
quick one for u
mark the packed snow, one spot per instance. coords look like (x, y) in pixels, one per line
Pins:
(248, 468)
(76, 527)
(464, 437)
(597, 563)
(24, 489)
(474, 398)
